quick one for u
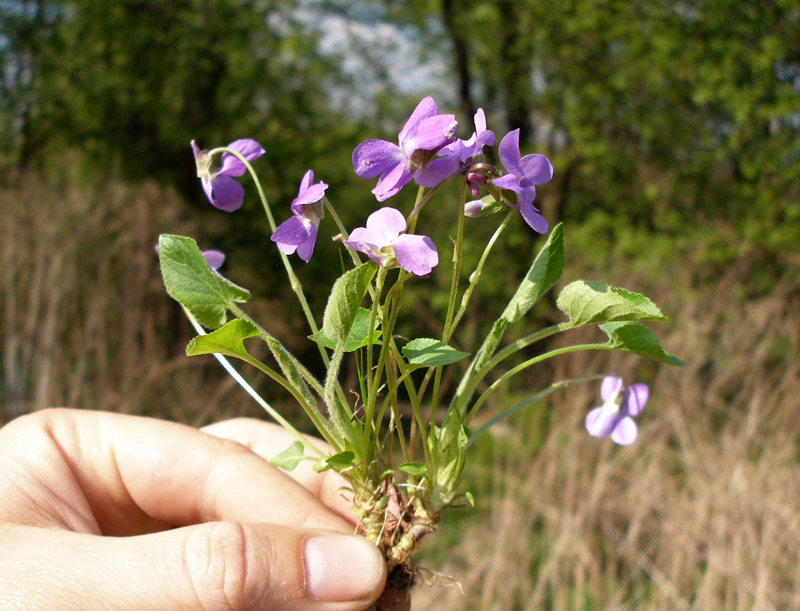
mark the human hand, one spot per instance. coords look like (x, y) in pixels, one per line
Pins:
(102, 510)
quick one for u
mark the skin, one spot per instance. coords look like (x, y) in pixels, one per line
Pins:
(107, 511)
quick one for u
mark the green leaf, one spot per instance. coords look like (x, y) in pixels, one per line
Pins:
(337, 462)
(191, 282)
(470, 498)
(635, 337)
(417, 469)
(344, 301)
(586, 302)
(359, 333)
(544, 272)
(431, 352)
(289, 458)
(227, 340)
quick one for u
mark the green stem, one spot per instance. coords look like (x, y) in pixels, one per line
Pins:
(228, 366)
(532, 361)
(540, 395)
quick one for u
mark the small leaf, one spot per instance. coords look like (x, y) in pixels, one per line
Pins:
(635, 337)
(544, 272)
(416, 469)
(431, 352)
(344, 301)
(191, 282)
(359, 334)
(227, 340)
(289, 458)
(587, 302)
(337, 462)
(470, 498)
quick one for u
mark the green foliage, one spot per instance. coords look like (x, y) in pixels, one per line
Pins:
(428, 352)
(289, 458)
(589, 302)
(227, 340)
(344, 301)
(358, 337)
(190, 281)
(634, 337)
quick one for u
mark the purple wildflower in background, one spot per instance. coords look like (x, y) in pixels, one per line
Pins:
(223, 191)
(382, 241)
(299, 233)
(524, 173)
(455, 155)
(422, 136)
(615, 416)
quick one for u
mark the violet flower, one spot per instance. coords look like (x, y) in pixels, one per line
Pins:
(299, 232)
(422, 136)
(457, 154)
(382, 241)
(615, 416)
(524, 173)
(221, 190)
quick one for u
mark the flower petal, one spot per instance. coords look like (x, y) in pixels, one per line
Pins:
(389, 184)
(635, 398)
(610, 386)
(429, 134)
(366, 241)
(292, 232)
(426, 108)
(508, 181)
(387, 223)
(214, 258)
(226, 193)
(415, 253)
(437, 170)
(248, 148)
(624, 434)
(374, 157)
(311, 195)
(537, 168)
(531, 216)
(509, 153)
(306, 248)
(600, 422)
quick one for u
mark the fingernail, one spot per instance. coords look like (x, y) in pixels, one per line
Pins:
(341, 568)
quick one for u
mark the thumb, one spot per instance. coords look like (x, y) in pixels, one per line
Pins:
(216, 565)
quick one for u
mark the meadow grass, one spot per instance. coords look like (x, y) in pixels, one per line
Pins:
(703, 512)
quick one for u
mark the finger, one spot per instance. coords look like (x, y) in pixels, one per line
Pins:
(124, 475)
(218, 565)
(267, 440)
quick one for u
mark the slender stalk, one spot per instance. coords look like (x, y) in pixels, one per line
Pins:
(275, 414)
(532, 361)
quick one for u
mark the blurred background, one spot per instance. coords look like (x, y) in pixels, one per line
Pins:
(674, 130)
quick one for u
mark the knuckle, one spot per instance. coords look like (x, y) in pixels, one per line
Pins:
(216, 563)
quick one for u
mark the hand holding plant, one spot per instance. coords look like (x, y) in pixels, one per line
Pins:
(405, 471)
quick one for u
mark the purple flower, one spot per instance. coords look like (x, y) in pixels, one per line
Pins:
(381, 240)
(615, 416)
(523, 176)
(299, 233)
(456, 154)
(422, 136)
(223, 191)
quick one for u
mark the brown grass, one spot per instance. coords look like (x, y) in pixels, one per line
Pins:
(703, 512)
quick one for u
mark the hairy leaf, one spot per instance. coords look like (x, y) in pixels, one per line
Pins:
(431, 352)
(289, 458)
(344, 301)
(359, 333)
(587, 302)
(191, 282)
(544, 272)
(635, 337)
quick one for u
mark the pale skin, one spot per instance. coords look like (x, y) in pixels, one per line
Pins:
(107, 511)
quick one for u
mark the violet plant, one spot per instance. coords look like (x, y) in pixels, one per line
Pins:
(403, 472)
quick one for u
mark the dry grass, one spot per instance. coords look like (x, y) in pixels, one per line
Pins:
(86, 321)
(703, 512)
